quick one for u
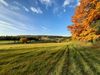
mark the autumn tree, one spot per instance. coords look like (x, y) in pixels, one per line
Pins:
(86, 21)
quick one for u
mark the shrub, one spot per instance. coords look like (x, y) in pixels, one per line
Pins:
(24, 40)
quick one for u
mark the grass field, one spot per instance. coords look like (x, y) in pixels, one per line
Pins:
(49, 59)
(6, 42)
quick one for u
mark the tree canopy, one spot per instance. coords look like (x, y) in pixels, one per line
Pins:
(86, 21)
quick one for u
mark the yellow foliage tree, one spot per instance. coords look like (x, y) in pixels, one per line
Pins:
(85, 14)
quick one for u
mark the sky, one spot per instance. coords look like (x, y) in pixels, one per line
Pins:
(36, 17)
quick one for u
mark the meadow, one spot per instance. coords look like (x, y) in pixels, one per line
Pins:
(50, 59)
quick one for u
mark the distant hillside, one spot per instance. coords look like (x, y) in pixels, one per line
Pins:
(35, 38)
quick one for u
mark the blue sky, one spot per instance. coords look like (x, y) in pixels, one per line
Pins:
(36, 17)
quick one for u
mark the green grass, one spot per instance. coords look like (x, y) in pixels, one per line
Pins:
(5, 42)
(49, 59)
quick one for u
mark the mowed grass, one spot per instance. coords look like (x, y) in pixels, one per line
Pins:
(49, 59)
(6, 42)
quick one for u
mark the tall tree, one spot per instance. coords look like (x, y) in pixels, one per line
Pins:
(86, 21)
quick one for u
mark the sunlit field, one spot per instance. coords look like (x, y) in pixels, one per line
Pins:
(49, 37)
(49, 59)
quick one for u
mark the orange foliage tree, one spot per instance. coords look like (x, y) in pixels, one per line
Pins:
(85, 18)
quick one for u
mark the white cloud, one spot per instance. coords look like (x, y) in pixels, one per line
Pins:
(6, 25)
(55, 10)
(78, 2)
(7, 28)
(36, 10)
(14, 7)
(67, 2)
(26, 9)
(72, 6)
(13, 20)
(44, 27)
(22, 6)
(64, 10)
(46, 2)
(17, 3)
(3, 2)
(7, 13)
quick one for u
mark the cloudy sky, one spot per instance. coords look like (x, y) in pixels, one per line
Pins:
(36, 17)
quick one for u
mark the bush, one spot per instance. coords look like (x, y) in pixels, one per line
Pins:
(24, 40)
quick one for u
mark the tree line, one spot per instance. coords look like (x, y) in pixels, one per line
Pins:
(29, 39)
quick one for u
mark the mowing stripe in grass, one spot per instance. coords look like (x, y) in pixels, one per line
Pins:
(23, 58)
(22, 54)
(91, 67)
(84, 68)
(74, 68)
(59, 66)
(91, 56)
(35, 65)
(53, 70)
(51, 62)
(26, 55)
(92, 62)
(65, 68)
(91, 51)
